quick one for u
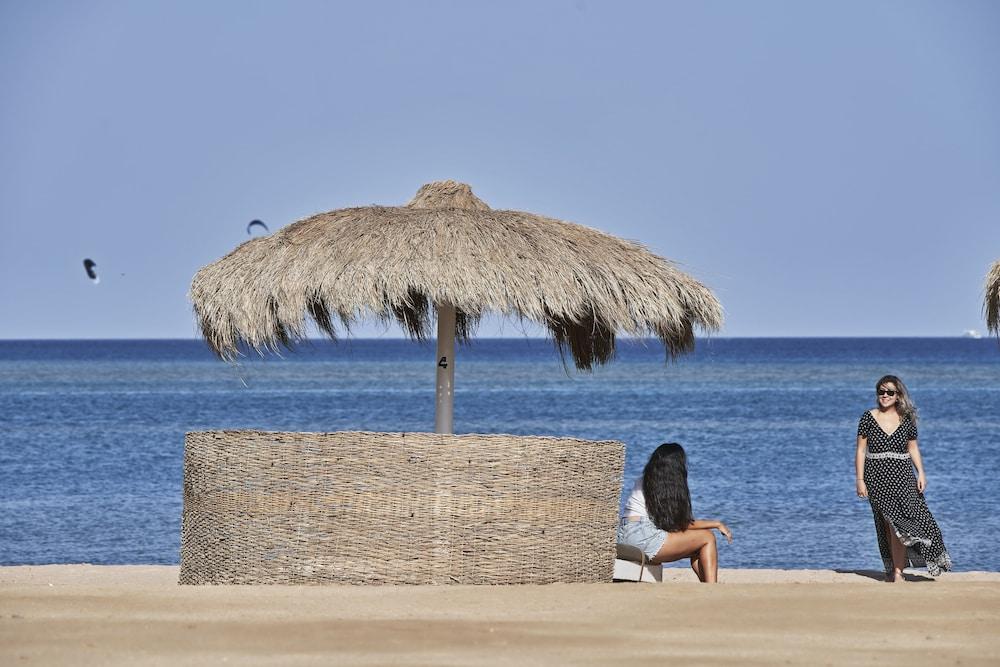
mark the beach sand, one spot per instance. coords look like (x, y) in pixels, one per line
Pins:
(84, 614)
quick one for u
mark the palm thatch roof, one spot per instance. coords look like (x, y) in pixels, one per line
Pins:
(992, 303)
(448, 247)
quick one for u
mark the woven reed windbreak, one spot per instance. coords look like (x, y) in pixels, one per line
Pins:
(397, 508)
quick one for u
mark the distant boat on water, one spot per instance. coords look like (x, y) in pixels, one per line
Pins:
(971, 333)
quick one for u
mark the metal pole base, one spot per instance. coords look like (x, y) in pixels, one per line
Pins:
(445, 402)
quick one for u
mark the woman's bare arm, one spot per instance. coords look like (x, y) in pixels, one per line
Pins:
(713, 524)
(859, 467)
(918, 463)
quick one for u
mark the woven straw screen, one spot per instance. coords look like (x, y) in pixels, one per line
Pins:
(397, 508)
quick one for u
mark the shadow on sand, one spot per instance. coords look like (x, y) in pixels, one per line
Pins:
(878, 575)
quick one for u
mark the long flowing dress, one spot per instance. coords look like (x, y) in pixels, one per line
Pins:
(893, 495)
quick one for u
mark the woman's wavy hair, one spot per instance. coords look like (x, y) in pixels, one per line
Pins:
(664, 483)
(904, 404)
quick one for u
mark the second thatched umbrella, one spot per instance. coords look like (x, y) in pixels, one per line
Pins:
(992, 303)
(448, 252)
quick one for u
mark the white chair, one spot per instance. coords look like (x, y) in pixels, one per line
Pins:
(631, 564)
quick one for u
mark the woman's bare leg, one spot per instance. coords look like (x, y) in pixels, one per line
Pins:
(898, 553)
(696, 544)
(696, 566)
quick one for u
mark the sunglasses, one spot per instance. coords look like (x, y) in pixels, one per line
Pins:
(886, 392)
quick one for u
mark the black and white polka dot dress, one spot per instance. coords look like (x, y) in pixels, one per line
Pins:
(893, 495)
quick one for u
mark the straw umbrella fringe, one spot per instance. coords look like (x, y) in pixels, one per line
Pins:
(992, 303)
(447, 247)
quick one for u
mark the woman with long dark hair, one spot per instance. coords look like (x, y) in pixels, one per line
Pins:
(884, 460)
(657, 517)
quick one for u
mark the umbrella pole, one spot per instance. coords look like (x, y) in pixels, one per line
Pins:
(443, 409)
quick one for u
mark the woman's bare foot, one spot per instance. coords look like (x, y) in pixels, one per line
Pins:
(897, 578)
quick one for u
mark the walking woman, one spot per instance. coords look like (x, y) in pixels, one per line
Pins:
(886, 455)
(657, 516)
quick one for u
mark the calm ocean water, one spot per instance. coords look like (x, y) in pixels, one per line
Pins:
(92, 432)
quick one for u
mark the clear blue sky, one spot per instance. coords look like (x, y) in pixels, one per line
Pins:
(827, 168)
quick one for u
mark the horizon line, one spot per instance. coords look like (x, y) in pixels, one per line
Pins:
(540, 338)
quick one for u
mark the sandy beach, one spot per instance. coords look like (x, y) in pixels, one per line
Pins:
(84, 614)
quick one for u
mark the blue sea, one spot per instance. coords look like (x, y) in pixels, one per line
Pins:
(92, 432)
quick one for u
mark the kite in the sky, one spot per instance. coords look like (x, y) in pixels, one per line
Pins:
(255, 223)
(90, 266)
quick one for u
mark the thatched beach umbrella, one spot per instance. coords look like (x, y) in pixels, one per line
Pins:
(448, 252)
(992, 303)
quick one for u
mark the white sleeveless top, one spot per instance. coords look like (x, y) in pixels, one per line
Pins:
(636, 503)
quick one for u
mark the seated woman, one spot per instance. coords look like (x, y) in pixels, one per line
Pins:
(657, 516)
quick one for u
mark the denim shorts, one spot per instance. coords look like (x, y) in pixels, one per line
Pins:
(642, 534)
